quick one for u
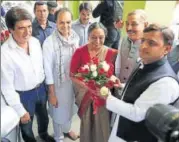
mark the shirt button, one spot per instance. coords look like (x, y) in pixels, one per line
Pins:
(127, 68)
(124, 78)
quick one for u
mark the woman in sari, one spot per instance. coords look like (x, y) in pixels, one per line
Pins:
(93, 114)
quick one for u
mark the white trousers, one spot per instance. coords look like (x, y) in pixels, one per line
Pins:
(59, 129)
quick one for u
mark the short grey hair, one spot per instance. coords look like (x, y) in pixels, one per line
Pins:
(141, 13)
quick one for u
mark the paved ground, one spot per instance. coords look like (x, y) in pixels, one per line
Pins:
(75, 127)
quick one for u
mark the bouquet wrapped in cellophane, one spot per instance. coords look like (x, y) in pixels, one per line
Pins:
(97, 75)
(92, 82)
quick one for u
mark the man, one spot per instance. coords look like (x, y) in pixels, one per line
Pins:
(57, 51)
(151, 83)
(173, 56)
(129, 46)
(52, 6)
(80, 26)
(41, 26)
(22, 75)
(110, 11)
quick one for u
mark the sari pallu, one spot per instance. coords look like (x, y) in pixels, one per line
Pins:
(85, 96)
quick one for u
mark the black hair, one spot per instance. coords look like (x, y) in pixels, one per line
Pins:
(167, 33)
(85, 6)
(39, 3)
(16, 14)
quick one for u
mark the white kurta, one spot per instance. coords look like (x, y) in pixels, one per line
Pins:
(163, 91)
(64, 90)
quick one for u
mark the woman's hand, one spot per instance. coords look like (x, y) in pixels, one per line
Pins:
(118, 84)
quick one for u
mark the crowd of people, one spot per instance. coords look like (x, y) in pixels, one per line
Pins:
(42, 56)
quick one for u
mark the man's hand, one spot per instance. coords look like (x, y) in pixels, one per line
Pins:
(119, 24)
(53, 100)
(51, 94)
(119, 85)
(25, 118)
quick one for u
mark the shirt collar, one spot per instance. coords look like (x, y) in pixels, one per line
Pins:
(49, 24)
(13, 44)
(78, 22)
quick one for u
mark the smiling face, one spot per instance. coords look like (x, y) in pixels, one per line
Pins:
(96, 38)
(22, 32)
(85, 16)
(135, 27)
(64, 21)
(152, 47)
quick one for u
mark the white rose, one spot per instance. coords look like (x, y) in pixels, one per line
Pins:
(104, 91)
(93, 67)
(105, 66)
(86, 67)
(94, 73)
(113, 78)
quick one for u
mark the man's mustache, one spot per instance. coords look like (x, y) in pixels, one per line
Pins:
(130, 31)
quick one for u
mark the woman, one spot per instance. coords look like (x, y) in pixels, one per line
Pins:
(57, 51)
(94, 127)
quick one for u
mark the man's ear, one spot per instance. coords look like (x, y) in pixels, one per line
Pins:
(146, 24)
(167, 49)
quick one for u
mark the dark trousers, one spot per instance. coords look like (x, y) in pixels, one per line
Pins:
(34, 101)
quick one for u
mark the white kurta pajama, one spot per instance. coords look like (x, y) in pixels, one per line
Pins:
(164, 91)
(57, 53)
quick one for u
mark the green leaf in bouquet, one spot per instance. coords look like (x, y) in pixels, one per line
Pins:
(86, 79)
(103, 81)
(98, 83)
(100, 66)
